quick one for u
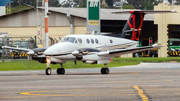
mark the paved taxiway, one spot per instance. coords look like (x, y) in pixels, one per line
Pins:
(144, 82)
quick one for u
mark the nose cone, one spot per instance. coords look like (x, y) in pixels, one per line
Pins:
(52, 50)
(31, 52)
(59, 48)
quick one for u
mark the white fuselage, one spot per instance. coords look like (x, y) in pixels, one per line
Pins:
(62, 50)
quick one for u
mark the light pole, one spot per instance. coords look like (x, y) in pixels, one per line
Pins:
(38, 16)
(46, 24)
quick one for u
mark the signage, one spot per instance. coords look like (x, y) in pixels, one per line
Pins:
(93, 17)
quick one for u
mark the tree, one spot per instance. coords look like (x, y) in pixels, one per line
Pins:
(126, 6)
(104, 5)
(109, 3)
(52, 3)
(144, 4)
(176, 2)
(148, 6)
(83, 4)
(68, 3)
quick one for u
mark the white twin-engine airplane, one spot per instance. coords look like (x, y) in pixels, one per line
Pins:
(94, 49)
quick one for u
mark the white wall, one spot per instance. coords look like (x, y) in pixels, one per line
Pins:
(2, 10)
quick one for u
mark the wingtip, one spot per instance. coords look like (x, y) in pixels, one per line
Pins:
(173, 11)
(157, 45)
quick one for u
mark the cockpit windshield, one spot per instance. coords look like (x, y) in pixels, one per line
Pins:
(68, 39)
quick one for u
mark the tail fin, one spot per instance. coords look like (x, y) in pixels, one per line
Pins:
(132, 28)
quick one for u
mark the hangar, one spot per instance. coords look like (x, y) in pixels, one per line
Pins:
(25, 23)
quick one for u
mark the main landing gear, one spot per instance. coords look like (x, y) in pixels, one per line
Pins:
(61, 71)
(105, 70)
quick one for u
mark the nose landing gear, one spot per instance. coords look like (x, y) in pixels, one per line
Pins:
(105, 70)
(48, 70)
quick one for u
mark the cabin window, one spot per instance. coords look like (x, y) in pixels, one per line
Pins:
(79, 40)
(92, 41)
(69, 39)
(111, 41)
(87, 40)
(97, 41)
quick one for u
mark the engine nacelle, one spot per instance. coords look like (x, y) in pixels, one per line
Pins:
(41, 60)
(79, 57)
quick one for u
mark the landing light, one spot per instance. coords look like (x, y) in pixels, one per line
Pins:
(48, 58)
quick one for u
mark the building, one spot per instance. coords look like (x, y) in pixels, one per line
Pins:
(168, 26)
(3, 4)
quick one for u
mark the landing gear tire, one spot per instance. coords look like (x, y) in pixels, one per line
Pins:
(60, 71)
(105, 71)
(102, 70)
(48, 71)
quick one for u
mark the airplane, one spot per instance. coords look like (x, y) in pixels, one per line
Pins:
(94, 49)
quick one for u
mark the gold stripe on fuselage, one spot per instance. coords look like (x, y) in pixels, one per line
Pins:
(66, 52)
(115, 47)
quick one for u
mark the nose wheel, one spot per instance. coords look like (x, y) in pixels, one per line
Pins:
(48, 71)
(105, 70)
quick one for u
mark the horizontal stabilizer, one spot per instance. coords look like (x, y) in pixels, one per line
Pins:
(131, 30)
(143, 11)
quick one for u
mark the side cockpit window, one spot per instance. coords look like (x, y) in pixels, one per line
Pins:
(68, 39)
(63, 39)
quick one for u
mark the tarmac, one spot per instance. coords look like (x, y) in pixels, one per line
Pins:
(143, 82)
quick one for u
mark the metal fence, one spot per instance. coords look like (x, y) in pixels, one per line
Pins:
(18, 42)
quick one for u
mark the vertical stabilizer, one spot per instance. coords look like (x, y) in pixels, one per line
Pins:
(132, 29)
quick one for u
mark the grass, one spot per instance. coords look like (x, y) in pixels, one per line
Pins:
(18, 8)
(34, 65)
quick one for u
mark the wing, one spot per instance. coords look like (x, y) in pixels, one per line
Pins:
(127, 51)
(13, 48)
(143, 11)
